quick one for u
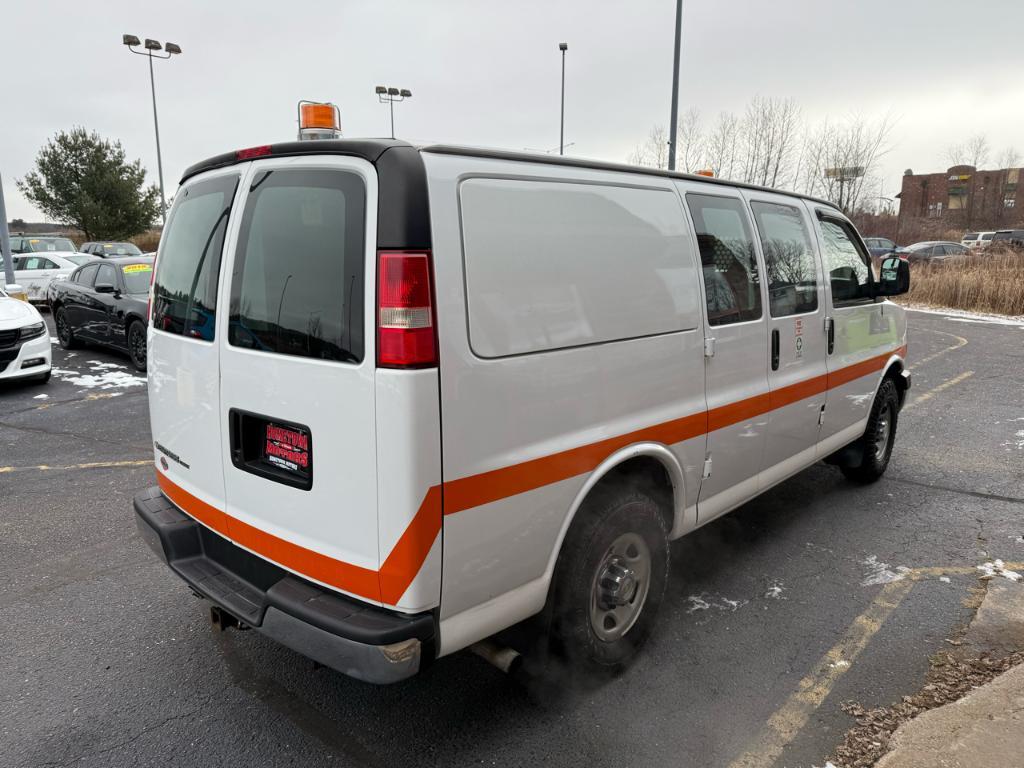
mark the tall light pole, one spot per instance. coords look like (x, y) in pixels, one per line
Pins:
(170, 50)
(390, 96)
(563, 47)
(675, 88)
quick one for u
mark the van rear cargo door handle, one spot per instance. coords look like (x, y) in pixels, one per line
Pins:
(830, 329)
(775, 349)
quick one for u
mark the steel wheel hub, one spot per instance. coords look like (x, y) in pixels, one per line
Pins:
(620, 587)
(882, 431)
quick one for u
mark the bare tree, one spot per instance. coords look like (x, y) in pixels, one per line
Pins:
(770, 131)
(974, 151)
(653, 151)
(840, 160)
(722, 146)
(689, 142)
(1008, 158)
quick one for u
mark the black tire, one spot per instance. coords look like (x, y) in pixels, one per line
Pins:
(602, 524)
(879, 437)
(65, 335)
(136, 337)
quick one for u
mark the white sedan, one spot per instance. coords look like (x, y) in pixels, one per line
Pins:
(24, 341)
(35, 271)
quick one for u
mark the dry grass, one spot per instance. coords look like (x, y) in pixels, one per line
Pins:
(147, 241)
(991, 282)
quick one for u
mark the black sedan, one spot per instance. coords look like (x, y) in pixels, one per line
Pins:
(104, 303)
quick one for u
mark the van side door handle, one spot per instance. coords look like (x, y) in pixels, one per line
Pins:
(775, 349)
(830, 330)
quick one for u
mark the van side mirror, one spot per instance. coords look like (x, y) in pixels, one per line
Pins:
(893, 277)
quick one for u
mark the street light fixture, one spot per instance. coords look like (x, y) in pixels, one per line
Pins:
(169, 49)
(390, 96)
(563, 47)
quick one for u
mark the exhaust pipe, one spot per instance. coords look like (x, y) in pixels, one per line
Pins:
(506, 659)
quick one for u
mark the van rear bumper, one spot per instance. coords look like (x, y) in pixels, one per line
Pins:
(359, 640)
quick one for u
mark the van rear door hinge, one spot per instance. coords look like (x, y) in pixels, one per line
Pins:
(709, 346)
(707, 468)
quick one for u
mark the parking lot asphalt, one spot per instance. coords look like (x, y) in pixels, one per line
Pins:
(818, 592)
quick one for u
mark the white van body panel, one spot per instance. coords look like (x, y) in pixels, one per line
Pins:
(865, 333)
(184, 387)
(736, 381)
(337, 517)
(512, 472)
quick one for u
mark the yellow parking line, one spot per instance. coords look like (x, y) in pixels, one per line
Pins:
(86, 465)
(787, 721)
(960, 342)
(942, 387)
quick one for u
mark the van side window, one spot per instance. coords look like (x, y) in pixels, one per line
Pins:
(297, 284)
(187, 269)
(789, 259)
(731, 281)
(848, 267)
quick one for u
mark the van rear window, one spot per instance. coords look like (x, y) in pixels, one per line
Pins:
(185, 287)
(298, 281)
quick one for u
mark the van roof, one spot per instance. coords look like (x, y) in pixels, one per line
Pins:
(372, 149)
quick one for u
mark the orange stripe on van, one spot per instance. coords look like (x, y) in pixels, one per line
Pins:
(406, 558)
(386, 585)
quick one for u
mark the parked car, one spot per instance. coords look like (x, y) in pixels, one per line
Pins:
(105, 302)
(976, 239)
(35, 271)
(879, 246)
(107, 249)
(41, 244)
(24, 341)
(520, 331)
(1011, 237)
(931, 251)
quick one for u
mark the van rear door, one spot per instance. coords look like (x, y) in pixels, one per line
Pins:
(297, 406)
(183, 355)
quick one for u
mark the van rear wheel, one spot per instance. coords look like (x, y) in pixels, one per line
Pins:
(879, 437)
(609, 581)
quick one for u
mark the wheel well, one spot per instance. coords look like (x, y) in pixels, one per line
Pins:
(894, 372)
(645, 473)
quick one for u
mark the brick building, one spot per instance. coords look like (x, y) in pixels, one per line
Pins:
(962, 198)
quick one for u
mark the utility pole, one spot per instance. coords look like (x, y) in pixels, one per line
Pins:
(5, 241)
(675, 88)
(563, 47)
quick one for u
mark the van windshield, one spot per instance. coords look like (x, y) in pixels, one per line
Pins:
(297, 285)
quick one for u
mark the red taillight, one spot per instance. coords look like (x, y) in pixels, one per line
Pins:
(251, 152)
(405, 311)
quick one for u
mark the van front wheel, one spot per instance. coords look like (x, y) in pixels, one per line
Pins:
(610, 581)
(876, 444)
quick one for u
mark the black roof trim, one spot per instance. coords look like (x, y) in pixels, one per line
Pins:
(598, 165)
(368, 149)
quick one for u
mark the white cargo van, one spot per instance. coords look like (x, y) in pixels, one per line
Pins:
(403, 398)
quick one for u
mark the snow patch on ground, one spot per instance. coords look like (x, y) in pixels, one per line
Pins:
(997, 568)
(944, 579)
(103, 376)
(840, 664)
(40, 397)
(963, 316)
(1017, 442)
(54, 340)
(881, 573)
(775, 591)
(704, 602)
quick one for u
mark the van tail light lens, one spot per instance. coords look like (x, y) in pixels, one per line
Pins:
(251, 152)
(405, 310)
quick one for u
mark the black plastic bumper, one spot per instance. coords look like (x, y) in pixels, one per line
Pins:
(360, 640)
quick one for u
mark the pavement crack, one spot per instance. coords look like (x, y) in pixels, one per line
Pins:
(57, 433)
(961, 491)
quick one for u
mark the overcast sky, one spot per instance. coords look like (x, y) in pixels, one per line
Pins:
(487, 72)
